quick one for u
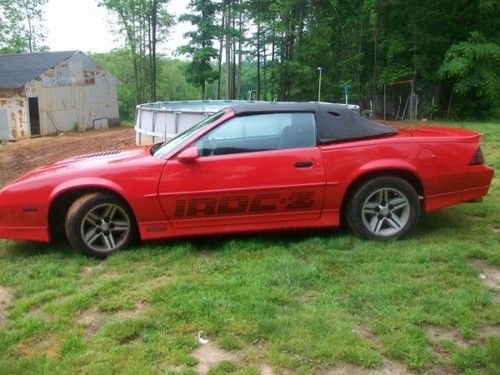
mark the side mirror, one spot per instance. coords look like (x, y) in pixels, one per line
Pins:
(189, 155)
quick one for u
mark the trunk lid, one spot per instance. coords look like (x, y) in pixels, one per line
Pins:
(445, 134)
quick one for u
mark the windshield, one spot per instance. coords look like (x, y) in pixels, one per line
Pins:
(162, 149)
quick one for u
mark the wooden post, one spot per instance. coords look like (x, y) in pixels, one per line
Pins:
(385, 101)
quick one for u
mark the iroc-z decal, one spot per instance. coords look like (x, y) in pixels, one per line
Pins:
(239, 204)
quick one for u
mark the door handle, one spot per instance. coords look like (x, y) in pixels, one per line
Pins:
(303, 164)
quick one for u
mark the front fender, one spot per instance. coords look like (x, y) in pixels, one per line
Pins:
(85, 183)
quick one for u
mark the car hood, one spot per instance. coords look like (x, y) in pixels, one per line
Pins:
(91, 163)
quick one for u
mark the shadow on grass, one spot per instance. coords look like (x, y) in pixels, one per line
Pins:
(216, 242)
(454, 219)
(197, 244)
(27, 249)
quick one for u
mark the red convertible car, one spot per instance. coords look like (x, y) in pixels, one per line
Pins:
(251, 167)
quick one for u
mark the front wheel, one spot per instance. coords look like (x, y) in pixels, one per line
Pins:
(99, 224)
(383, 208)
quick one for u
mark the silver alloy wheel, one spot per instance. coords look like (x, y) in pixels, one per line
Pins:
(105, 227)
(386, 212)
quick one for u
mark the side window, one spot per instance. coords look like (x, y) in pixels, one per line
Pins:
(261, 132)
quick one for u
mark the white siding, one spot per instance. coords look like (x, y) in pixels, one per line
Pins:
(74, 94)
(14, 115)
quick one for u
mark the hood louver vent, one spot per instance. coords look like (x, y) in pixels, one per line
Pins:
(97, 155)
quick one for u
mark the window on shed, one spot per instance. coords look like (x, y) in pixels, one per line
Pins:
(89, 77)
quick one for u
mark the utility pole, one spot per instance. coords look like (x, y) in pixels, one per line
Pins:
(319, 83)
(346, 88)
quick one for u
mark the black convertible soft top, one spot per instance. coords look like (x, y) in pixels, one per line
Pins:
(336, 122)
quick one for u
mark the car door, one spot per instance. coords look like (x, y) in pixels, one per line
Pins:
(254, 169)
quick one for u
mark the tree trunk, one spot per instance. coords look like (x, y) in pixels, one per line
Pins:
(273, 47)
(221, 47)
(449, 104)
(240, 44)
(229, 94)
(233, 46)
(359, 66)
(258, 60)
(203, 85)
(154, 15)
(137, 98)
(30, 29)
(264, 70)
(376, 32)
(148, 19)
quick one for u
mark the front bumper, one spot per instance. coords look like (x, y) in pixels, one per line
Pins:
(20, 220)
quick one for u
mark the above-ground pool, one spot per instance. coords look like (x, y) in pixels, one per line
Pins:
(157, 122)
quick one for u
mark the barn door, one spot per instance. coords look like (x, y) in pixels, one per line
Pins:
(34, 116)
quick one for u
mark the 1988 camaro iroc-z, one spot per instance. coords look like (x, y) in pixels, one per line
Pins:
(252, 166)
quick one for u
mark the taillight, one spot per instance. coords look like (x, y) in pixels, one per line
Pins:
(477, 158)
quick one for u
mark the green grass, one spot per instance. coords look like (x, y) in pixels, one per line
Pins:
(302, 301)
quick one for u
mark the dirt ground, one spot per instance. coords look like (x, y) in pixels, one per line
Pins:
(19, 157)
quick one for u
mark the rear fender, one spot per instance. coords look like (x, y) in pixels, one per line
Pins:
(387, 167)
(384, 164)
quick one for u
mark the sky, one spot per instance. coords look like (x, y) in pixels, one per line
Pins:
(82, 25)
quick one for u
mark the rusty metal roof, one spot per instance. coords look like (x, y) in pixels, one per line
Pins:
(16, 70)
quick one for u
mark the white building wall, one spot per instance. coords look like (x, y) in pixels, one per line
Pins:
(13, 115)
(73, 94)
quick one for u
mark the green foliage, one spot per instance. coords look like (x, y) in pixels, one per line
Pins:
(367, 43)
(172, 81)
(172, 84)
(200, 47)
(143, 23)
(20, 26)
(472, 66)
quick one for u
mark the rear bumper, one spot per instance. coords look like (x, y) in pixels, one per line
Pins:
(475, 194)
(477, 183)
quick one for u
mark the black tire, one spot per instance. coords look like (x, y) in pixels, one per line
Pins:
(383, 208)
(99, 224)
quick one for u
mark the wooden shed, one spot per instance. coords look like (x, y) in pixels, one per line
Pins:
(52, 92)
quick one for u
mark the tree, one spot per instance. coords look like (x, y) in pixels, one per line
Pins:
(200, 47)
(472, 67)
(274, 47)
(143, 23)
(171, 79)
(20, 26)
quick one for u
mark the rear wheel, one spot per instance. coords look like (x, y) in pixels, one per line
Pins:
(383, 208)
(99, 224)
